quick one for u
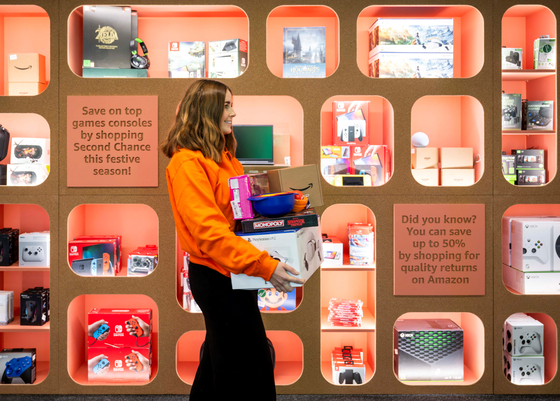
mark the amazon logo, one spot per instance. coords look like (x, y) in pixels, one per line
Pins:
(303, 189)
(23, 68)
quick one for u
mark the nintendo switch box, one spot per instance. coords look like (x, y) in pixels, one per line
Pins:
(119, 327)
(372, 160)
(93, 257)
(350, 122)
(411, 65)
(119, 365)
(18, 365)
(103, 237)
(186, 59)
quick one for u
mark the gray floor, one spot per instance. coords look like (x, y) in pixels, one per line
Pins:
(291, 397)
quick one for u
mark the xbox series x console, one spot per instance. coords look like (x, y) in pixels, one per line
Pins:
(428, 350)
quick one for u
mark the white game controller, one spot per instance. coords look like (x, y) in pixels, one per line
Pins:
(33, 254)
(529, 342)
(535, 249)
(530, 373)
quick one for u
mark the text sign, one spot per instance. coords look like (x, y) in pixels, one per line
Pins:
(439, 249)
(112, 141)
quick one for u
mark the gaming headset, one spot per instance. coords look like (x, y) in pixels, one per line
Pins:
(137, 61)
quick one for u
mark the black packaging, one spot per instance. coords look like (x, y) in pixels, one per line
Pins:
(9, 246)
(526, 159)
(18, 365)
(33, 307)
(4, 142)
(306, 218)
(531, 177)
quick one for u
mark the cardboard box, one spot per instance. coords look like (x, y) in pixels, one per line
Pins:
(411, 65)
(25, 88)
(18, 365)
(304, 178)
(425, 158)
(119, 365)
(301, 248)
(350, 122)
(544, 53)
(34, 249)
(511, 110)
(428, 177)
(512, 58)
(26, 67)
(281, 149)
(304, 52)
(456, 158)
(524, 371)
(543, 283)
(30, 150)
(227, 58)
(540, 115)
(333, 252)
(186, 59)
(305, 218)
(117, 327)
(457, 177)
(26, 175)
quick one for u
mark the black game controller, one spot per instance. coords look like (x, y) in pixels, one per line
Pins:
(349, 377)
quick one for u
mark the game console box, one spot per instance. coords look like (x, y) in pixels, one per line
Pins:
(142, 261)
(241, 188)
(529, 283)
(6, 307)
(120, 327)
(544, 53)
(523, 337)
(350, 122)
(335, 160)
(410, 35)
(34, 249)
(300, 248)
(333, 251)
(508, 168)
(425, 158)
(527, 159)
(531, 177)
(518, 318)
(26, 175)
(9, 246)
(411, 65)
(186, 59)
(533, 244)
(372, 160)
(305, 218)
(30, 150)
(428, 177)
(18, 365)
(93, 257)
(361, 240)
(416, 358)
(103, 237)
(34, 308)
(119, 365)
(540, 115)
(512, 58)
(527, 370)
(511, 111)
(227, 58)
(270, 299)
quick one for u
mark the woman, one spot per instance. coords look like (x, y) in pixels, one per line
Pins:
(236, 358)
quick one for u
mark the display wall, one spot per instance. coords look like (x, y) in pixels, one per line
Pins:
(297, 107)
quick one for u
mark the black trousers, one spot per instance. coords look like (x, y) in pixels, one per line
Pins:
(236, 360)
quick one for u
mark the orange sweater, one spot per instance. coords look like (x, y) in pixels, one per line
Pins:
(200, 198)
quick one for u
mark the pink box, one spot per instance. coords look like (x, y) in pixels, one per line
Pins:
(243, 187)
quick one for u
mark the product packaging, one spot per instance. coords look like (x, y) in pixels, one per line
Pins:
(361, 244)
(304, 52)
(227, 58)
(186, 59)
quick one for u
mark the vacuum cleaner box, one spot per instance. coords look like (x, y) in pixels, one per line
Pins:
(302, 249)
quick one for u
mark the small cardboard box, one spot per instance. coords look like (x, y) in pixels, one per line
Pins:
(456, 158)
(512, 58)
(26, 88)
(428, 177)
(117, 327)
(119, 365)
(457, 177)
(306, 179)
(281, 148)
(424, 158)
(544, 53)
(26, 67)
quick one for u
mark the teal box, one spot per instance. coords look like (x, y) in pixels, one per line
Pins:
(114, 73)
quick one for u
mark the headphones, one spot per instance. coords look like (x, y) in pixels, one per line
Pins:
(137, 61)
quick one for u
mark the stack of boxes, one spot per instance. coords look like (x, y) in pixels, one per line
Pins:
(524, 167)
(411, 48)
(26, 74)
(523, 351)
(457, 166)
(119, 345)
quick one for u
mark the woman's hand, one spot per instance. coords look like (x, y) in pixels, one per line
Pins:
(281, 279)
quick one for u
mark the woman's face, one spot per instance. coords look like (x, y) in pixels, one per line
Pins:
(228, 114)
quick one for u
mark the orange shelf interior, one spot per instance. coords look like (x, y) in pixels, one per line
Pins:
(301, 16)
(23, 29)
(137, 224)
(24, 125)
(473, 345)
(521, 25)
(77, 331)
(287, 347)
(159, 25)
(451, 122)
(468, 33)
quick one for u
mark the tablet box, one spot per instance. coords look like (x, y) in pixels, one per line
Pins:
(428, 177)
(544, 53)
(531, 283)
(227, 58)
(26, 175)
(528, 159)
(118, 367)
(411, 65)
(350, 122)
(30, 150)
(306, 179)
(531, 177)
(25, 88)
(523, 371)
(34, 249)
(186, 59)
(120, 332)
(512, 58)
(540, 115)
(301, 248)
(425, 158)
(28, 361)
(511, 110)
(333, 252)
(456, 158)
(26, 67)
(457, 177)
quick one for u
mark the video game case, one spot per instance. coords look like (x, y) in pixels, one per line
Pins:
(307, 218)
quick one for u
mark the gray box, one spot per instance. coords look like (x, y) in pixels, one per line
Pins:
(511, 110)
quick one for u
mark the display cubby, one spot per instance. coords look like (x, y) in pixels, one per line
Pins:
(452, 122)
(468, 33)
(347, 281)
(288, 350)
(137, 224)
(23, 29)
(521, 25)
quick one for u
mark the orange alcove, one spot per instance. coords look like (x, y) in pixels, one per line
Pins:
(347, 282)
(23, 29)
(452, 122)
(77, 331)
(160, 24)
(27, 218)
(288, 350)
(473, 346)
(468, 33)
(521, 25)
(137, 224)
(301, 16)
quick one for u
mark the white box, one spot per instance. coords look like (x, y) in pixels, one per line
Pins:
(533, 244)
(516, 319)
(227, 58)
(544, 53)
(528, 370)
(333, 252)
(523, 337)
(302, 249)
(506, 235)
(186, 59)
(411, 65)
(30, 150)
(6, 307)
(26, 175)
(544, 283)
(34, 249)
(512, 58)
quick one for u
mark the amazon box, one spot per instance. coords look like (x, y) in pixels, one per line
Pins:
(26, 67)
(428, 176)
(425, 158)
(304, 178)
(456, 158)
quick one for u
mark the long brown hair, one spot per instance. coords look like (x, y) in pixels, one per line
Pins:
(198, 120)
